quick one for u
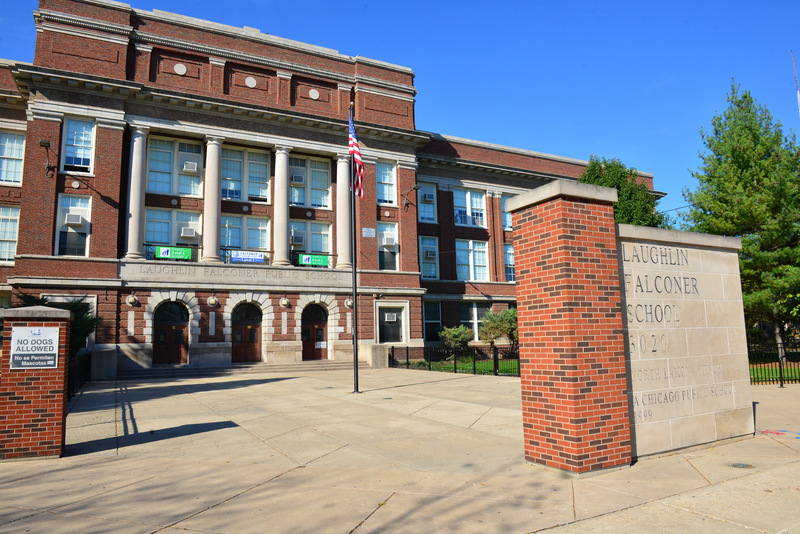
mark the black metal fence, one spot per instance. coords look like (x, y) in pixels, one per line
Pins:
(498, 361)
(768, 367)
(79, 372)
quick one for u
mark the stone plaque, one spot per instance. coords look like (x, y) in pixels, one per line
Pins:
(685, 339)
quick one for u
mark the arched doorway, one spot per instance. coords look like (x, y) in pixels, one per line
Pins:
(246, 329)
(314, 328)
(171, 334)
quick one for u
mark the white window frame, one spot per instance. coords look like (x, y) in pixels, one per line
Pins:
(471, 212)
(250, 159)
(305, 192)
(386, 182)
(430, 189)
(11, 214)
(11, 163)
(310, 229)
(84, 227)
(507, 223)
(508, 254)
(387, 229)
(473, 249)
(474, 322)
(405, 326)
(66, 146)
(244, 232)
(427, 242)
(176, 169)
(175, 226)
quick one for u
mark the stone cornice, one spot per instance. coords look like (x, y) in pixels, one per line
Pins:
(43, 16)
(441, 162)
(26, 75)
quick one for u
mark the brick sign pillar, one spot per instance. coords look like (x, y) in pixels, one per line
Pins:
(33, 392)
(572, 353)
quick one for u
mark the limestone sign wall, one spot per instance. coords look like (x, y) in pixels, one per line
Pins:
(686, 349)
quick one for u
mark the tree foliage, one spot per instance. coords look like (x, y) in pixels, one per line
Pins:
(457, 337)
(500, 325)
(636, 204)
(83, 322)
(749, 187)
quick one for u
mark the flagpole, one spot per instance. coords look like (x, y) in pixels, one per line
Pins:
(354, 255)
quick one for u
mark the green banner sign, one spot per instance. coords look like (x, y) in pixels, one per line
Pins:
(173, 253)
(313, 259)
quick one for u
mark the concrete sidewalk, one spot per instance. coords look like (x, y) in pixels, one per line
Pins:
(414, 452)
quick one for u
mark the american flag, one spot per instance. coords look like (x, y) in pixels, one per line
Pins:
(358, 165)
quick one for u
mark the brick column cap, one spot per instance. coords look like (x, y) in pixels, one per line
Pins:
(35, 312)
(562, 188)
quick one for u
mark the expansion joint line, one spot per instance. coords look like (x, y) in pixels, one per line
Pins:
(373, 512)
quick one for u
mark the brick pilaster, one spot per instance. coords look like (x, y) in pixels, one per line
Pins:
(572, 353)
(33, 402)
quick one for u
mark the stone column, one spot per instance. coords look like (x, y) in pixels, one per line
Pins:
(136, 191)
(212, 200)
(280, 209)
(572, 349)
(344, 229)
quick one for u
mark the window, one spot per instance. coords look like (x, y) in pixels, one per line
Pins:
(235, 181)
(174, 167)
(432, 315)
(12, 150)
(429, 257)
(507, 225)
(309, 237)
(78, 143)
(310, 181)
(74, 221)
(9, 225)
(387, 246)
(469, 207)
(171, 227)
(472, 315)
(508, 255)
(243, 232)
(390, 324)
(385, 182)
(426, 203)
(471, 260)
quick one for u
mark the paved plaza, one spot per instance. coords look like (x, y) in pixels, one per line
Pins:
(414, 452)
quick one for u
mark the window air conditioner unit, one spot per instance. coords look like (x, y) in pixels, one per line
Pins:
(73, 219)
(429, 253)
(188, 232)
(189, 167)
(390, 317)
(428, 198)
(389, 241)
(298, 179)
(299, 238)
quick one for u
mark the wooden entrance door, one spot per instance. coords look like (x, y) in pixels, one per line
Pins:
(246, 330)
(171, 334)
(314, 331)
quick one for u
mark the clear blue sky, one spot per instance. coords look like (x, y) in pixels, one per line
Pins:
(628, 80)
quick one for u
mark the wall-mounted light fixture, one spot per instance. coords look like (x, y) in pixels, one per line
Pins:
(212, 301)
(348, 303)
(44, 143)
(406, 202)
(132, 300)
(284, 302)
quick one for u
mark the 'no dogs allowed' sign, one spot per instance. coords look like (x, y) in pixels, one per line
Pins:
(34, 347)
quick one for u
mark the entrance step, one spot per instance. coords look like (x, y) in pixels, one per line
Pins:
(184, 371)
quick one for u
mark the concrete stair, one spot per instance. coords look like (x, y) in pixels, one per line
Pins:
(183, 371)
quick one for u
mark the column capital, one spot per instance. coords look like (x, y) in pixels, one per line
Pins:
(282, 149)
(343, 156)
(140, 130)
(214, 139)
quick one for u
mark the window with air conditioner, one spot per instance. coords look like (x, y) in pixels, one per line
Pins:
(392, 320)
(310, 182)
(429, 257)
(426, 207)
(165, 227)
(174, 167)
(74, 215)
(309, 237)
(387, 249)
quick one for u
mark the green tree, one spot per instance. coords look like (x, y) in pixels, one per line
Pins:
(749, 187)
(636, 204)
(500, 325)
(457, 337)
